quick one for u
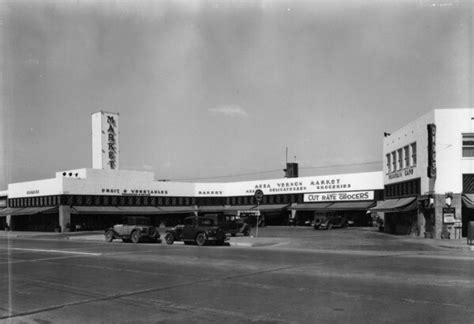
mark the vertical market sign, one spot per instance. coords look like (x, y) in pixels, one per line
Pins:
(112, 142)
(431, 150)
(105, 141)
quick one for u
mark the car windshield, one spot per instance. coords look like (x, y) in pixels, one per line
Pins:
(206, 222)
(138, 221)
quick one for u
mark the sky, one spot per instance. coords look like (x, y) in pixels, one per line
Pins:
(215, 91)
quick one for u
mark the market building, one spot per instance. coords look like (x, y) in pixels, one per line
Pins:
(428, 175)
(92, 199)
(97, 197)
(426, 187)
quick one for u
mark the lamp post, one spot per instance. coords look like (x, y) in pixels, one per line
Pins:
(258, 197)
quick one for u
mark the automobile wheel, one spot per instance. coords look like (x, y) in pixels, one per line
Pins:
(317, 222)
(201, 239)
(169, 238)
(109, 236)
(135, 237)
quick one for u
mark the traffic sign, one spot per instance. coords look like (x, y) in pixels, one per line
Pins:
(258, 195)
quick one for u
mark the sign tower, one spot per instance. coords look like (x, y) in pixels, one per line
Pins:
(105, 140)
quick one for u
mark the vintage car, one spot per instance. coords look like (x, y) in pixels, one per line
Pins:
(329, 222)
(198, 230)
(231, 224)
(133, 229)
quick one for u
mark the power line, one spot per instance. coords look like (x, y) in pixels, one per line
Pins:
(232, 175)
(342, 165)
(280, 170)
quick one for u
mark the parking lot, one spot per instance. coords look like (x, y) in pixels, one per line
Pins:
(285, 275)
(305, 237)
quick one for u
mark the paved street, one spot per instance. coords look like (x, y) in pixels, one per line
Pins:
(341, 277)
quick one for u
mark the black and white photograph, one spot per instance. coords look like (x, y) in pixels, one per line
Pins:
(236, 161)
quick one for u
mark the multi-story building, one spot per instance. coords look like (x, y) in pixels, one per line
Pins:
(429, 175)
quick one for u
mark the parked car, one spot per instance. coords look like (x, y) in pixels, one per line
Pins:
(231, 224)
(330, 222)
(133, 229)
(198, 230)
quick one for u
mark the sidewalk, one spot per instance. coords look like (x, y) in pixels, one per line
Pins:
(293, 237)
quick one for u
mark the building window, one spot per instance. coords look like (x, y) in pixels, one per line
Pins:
(389, 163)
(413, 154)
(394, 161)
(400, 159)
(468, 145)
(406, 150)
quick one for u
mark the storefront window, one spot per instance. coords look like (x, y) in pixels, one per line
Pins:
(468, 145)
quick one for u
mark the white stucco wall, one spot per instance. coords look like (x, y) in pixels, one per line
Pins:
(36, 188)
(105, 182)
(451, 124)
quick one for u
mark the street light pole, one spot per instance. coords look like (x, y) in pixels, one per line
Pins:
(258, 198)
(258, 214)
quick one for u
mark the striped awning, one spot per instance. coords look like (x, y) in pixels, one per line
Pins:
(310, 206)
(28, 210)
(468, 200)
(396, 205)
(132, 210)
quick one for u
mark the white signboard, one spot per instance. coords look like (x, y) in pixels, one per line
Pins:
(327, 183)
(339, 196)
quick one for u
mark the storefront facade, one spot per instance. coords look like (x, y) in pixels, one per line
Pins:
(428, 168)
(91, 199)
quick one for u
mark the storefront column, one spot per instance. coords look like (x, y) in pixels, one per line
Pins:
(9, 221)
(421, 222)
(456, 230)
(64, 216)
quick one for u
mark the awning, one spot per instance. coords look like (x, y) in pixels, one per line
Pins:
(351, 205)
(28, 210)
(9, 211)
(176, 209)
(233, 209)
(96, 210)
(468, 200)
(396, 205)
(212, 209)
(135, 210)
(310, 206)
(270, 208)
